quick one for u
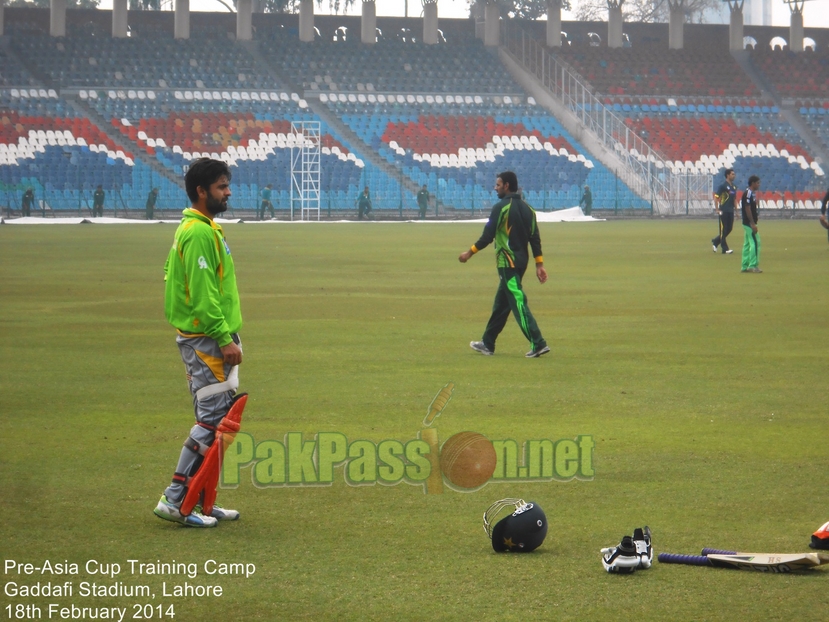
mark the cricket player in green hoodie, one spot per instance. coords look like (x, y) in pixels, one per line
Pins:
(201, 301)
(512, 225)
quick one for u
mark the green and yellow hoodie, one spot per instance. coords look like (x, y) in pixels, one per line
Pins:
(512, 224)
(200, 291)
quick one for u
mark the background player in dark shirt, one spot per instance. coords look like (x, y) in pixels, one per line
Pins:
(423, 201)
(98, 201)
(751, 241)
(28, 202)
(823, 206)
(149, 206)
(724, 200)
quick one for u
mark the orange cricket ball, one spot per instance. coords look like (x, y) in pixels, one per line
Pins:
(468, 459)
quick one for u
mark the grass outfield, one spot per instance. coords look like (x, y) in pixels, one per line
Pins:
(703, 390)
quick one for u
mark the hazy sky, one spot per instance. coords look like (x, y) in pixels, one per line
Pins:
(815, 13)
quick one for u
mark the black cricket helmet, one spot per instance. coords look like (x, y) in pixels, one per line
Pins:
(520, 532)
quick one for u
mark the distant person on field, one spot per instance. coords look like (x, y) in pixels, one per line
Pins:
(201, 301)
(364, 205)
(98, 201)
(512, 226)
(823, 205)
(150, 205)
(28, 201)
(751, 240)
(266, 202)
(586, 201)
(423, 201)
(724, 200)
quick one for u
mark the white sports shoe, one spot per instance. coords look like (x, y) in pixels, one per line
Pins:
(171, 512)
(532, 354)
(479, 346)
(220, 513)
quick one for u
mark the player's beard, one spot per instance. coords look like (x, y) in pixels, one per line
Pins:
(216, 206)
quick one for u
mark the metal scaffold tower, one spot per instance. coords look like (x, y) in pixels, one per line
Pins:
(305, 168)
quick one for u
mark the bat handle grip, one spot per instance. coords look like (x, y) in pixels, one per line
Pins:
(707, 551)
(688, 560)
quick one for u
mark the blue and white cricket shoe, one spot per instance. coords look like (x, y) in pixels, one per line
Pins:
(171, 512)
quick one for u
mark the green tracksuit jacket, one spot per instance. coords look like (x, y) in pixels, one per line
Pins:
(200, 292)
(512, 225)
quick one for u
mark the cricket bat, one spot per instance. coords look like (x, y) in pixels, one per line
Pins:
(761, 562)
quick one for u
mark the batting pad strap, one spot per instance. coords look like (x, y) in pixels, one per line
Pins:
(195, 446)
(231, 384)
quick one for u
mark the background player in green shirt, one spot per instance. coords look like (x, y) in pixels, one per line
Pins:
(364, 205)
(202, 302)
(751, 240)
(586, 201)
(512, 225)
(266, 202)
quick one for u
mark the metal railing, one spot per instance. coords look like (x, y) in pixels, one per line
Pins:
(645, 172)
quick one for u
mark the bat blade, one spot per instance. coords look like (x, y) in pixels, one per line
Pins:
(760, 562)
(769, 562)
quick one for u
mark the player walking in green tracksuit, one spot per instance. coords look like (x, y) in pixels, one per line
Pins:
(512, 225)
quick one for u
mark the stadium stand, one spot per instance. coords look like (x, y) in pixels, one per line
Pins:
(450, 119)
(151, 62)
(459, 147)
(46, 145)
(818, 119)
(702, 113)
(653, 72)
(131, 113)
(800, 76)
(12, 72)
